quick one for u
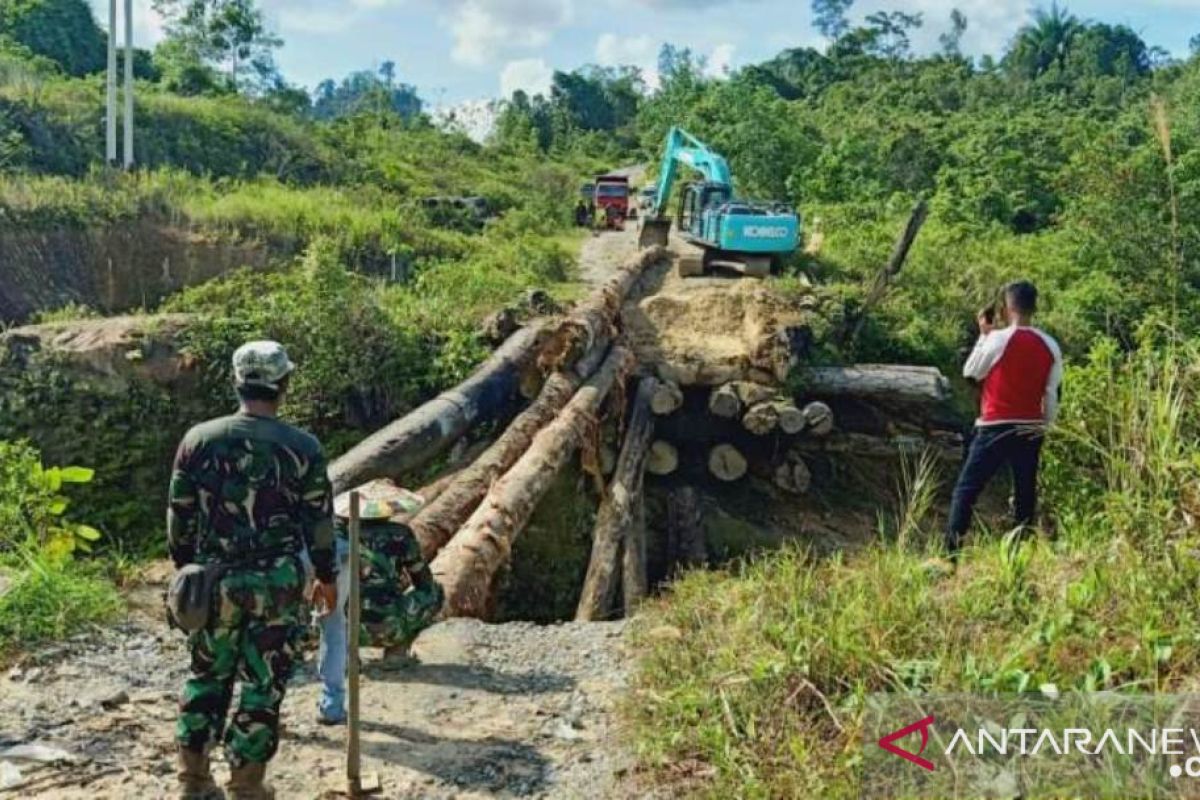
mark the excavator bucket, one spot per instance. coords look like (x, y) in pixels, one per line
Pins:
(654, 231)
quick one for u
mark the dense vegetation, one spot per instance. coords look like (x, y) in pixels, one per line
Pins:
(1073, 159)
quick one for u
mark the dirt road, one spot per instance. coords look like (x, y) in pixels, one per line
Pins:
(512, 710)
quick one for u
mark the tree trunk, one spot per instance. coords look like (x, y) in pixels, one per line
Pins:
(945, 445)
(417, 438)
(467, 565)
(616, 519)
(635, 580)
(435, 524)
(420, 436)
(880, 383)
(663, 459)
(724, 402)
(761, 419)
(818, 419)
(791, 419)
(668, 398)
(727, 463)
(854, 322)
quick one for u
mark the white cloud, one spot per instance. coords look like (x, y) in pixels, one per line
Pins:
(531, 75)
(147, 23)
(991, 24)
(720, 61)
(633, 51)
(487, 29)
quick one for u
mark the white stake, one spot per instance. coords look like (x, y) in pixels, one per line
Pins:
(110, 96)
(128, 85)
(353, 754)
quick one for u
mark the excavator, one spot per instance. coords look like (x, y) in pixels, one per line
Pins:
(729, 233)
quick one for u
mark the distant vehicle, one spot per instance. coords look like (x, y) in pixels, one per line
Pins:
(646, 196)
(731, 233)
(612, 192)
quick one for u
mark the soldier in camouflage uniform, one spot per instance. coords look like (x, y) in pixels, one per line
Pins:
(400, 598)
(250, 493)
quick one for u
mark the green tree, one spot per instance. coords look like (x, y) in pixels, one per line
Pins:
(62, 30)
(951, 40)
(1043, 44)
(227, 35)
(890, 33)
(366, 91)
(829, 17)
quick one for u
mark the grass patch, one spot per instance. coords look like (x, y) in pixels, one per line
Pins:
(46, 602)
(751, 681)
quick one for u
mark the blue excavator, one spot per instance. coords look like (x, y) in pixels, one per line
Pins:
(728, 233)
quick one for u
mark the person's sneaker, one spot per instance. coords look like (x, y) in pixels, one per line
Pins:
(329, 719)
(939, 567)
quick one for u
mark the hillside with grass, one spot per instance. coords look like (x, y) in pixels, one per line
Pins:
(259, 210)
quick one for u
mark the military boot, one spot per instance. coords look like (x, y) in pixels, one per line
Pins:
(246, 783)
(195, 777)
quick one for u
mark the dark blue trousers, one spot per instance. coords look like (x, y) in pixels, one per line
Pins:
(992, 447)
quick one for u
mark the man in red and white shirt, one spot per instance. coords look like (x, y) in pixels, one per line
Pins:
(1020, 370)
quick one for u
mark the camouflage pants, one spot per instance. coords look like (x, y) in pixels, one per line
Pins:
(252, 641)
(390, 619)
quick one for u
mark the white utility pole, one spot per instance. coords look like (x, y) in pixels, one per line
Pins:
(110, 97)
(128, 84)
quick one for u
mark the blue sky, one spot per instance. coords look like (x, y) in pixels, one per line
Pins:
(459, 50)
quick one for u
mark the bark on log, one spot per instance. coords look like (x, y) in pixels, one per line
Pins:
(791, 419)
(668, 398)
(751, 394)
(945, 445)
(435, 524)
(635, 579)
(727, 463)
(881, 383)
(468, 564)
(724, 402)
(616, 519)
(663, 459)
(417, 438)
(818, 418)
(761, 419)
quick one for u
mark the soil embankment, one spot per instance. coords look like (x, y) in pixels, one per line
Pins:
(111, 269)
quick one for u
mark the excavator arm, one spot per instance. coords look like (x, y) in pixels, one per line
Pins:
(683, 148)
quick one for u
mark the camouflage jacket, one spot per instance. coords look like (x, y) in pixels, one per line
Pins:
(247, 489)
(391, 558)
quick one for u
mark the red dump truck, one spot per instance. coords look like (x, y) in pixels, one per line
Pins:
(612, 200)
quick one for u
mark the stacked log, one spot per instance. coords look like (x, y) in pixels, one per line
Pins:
(466, 567)
(617, 521)
(575, 343)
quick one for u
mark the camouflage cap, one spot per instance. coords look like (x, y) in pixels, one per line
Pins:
(263, 363)
(381, 499)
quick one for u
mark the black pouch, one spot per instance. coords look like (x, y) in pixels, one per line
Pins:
(190, 595)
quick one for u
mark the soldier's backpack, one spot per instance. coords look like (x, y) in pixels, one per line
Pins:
(190, 595)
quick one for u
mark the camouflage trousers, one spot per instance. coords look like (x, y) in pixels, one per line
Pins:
(252, 641)
(390, 618)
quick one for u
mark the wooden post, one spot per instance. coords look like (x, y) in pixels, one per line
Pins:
(353, 752)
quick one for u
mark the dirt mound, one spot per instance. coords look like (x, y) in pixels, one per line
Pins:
(707, 331)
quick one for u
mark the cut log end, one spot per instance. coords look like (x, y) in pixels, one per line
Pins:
(727, 463)
(667, 398)
(663, 459)
(819, 419)
(791, 419)
(761, 419)
(793, 475)
(724, 402)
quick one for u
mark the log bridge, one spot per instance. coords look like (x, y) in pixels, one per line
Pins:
(583, 392)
